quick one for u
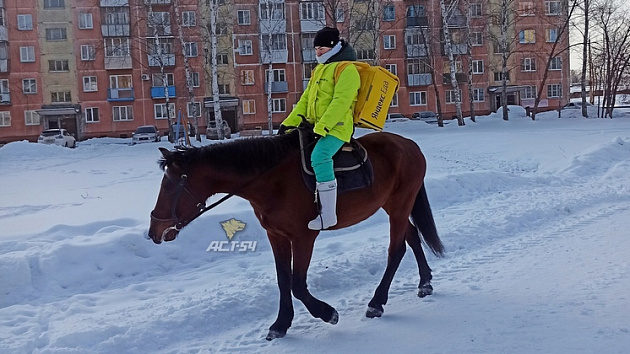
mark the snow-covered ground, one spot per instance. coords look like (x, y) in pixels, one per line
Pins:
(535, 217)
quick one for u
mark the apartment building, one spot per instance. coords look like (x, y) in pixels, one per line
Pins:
(104, 67)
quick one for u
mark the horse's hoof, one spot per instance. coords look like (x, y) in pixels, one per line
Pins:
(334, 319)
(273, 334)
(373, 312)
(425, 290)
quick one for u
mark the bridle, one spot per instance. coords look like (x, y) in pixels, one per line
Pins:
(201, 206)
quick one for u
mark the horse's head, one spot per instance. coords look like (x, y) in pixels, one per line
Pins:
(181, 198)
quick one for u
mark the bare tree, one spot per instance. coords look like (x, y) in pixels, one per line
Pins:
(451, 16)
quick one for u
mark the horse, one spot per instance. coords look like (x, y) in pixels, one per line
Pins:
(266, 171)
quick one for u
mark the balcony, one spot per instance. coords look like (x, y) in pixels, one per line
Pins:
(115, 30)
(277, 87)
(456, 48)
(161, 60)
(305, 83)
(416, 50)
(5, 98)
(460, 77)
(159, 2)
(120, 94)
(308, 55)
(160, 92)
(3, 34)
(418, 79)
(113, 63)
(275, 56)
(273, 26)
(418, 21)
(114, 3)
(4, 65)
(312, 25)
(457, 21)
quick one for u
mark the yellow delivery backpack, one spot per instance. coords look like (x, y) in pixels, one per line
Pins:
(378, 87)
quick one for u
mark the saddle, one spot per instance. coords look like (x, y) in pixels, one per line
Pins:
(352, 166)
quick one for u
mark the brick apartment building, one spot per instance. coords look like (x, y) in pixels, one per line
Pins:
(105, 67)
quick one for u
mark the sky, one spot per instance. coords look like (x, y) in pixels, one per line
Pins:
(534, 216)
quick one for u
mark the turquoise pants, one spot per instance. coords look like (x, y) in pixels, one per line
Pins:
(321, 158)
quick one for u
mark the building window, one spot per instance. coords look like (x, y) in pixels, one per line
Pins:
(27, 54)
(526, 8)
(115, 15)
(339, 14)
(389, 41)
(389, 13)
(279, 105)
(88, 52)
(478, 95)
(554, 90)
(160, 111)
(193, 109)
(5, 119)
(195, 78)
(476, 10)
(116, 47)
(312, 11)
(272, 11)
(477, 66)
(278, 75)
(451, 95)
(476, 38)
(58, 66)
(222, 59)
(56, 34)
(224, 89)
(529, 92)
(552, 35)
(122, 113)
(243, 17)
(528, 64)
(394, 102)
(247, 77)
(365, 54)
(29, 86)
(418, 98)
(25, 22)
(498, 76)
(249, 107)
(89, 84)
(54, 4)
(274, 41)
(245, 47)
(91, 115)
(60, 96)
(553, 8)
(31, 118)
(157, 80)
(85, 21)
(527, 36)
(190, 49)
(556, 63)
(189, 19)
(392, 68)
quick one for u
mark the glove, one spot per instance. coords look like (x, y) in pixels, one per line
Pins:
(282, 130)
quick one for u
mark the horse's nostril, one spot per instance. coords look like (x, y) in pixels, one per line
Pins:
(149, 235)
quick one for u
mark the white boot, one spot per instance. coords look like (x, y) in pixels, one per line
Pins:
(327, 192)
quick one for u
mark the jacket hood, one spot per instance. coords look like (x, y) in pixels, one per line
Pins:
(346, 53)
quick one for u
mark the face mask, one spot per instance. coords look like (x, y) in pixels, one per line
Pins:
(324, 57)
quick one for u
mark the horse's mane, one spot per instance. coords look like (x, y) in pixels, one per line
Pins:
(244, 156)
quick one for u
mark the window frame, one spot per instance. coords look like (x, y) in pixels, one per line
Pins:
(28, 50)
(249, 107)
(51, 33)
(420, 96)
(118, 110)
(282, 105)
(90, 83)
(475, 67)
(25, 22)
(31, 83)
(88, 52)
(86, 20)
(29, 119)
(93, 115)
(243, 17)
(189, 19)
(389, 41)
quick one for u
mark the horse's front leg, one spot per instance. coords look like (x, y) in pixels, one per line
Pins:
(413, 240)
(281, 247)
(302, 252)
(396, 252)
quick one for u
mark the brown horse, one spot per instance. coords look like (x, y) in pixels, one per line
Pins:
(266, 172)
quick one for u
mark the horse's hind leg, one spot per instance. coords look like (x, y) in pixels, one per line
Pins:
(302, 252)
(413, 240)
(282, 254)
(396, 252)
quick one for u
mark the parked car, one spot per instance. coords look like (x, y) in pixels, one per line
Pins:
(178, 130)
(575, 105)
(213, 133)
(425, 116)
(58, 137)
(146, 134)
(396, 116)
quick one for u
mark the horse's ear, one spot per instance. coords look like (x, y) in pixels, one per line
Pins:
(166, 153)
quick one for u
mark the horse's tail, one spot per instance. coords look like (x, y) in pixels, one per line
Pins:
(423, 220)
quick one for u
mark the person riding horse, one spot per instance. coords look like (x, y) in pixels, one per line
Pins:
(329, 105)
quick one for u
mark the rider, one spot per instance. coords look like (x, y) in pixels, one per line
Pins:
(328, 104)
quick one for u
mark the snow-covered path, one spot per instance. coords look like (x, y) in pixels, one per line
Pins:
(534, 216)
